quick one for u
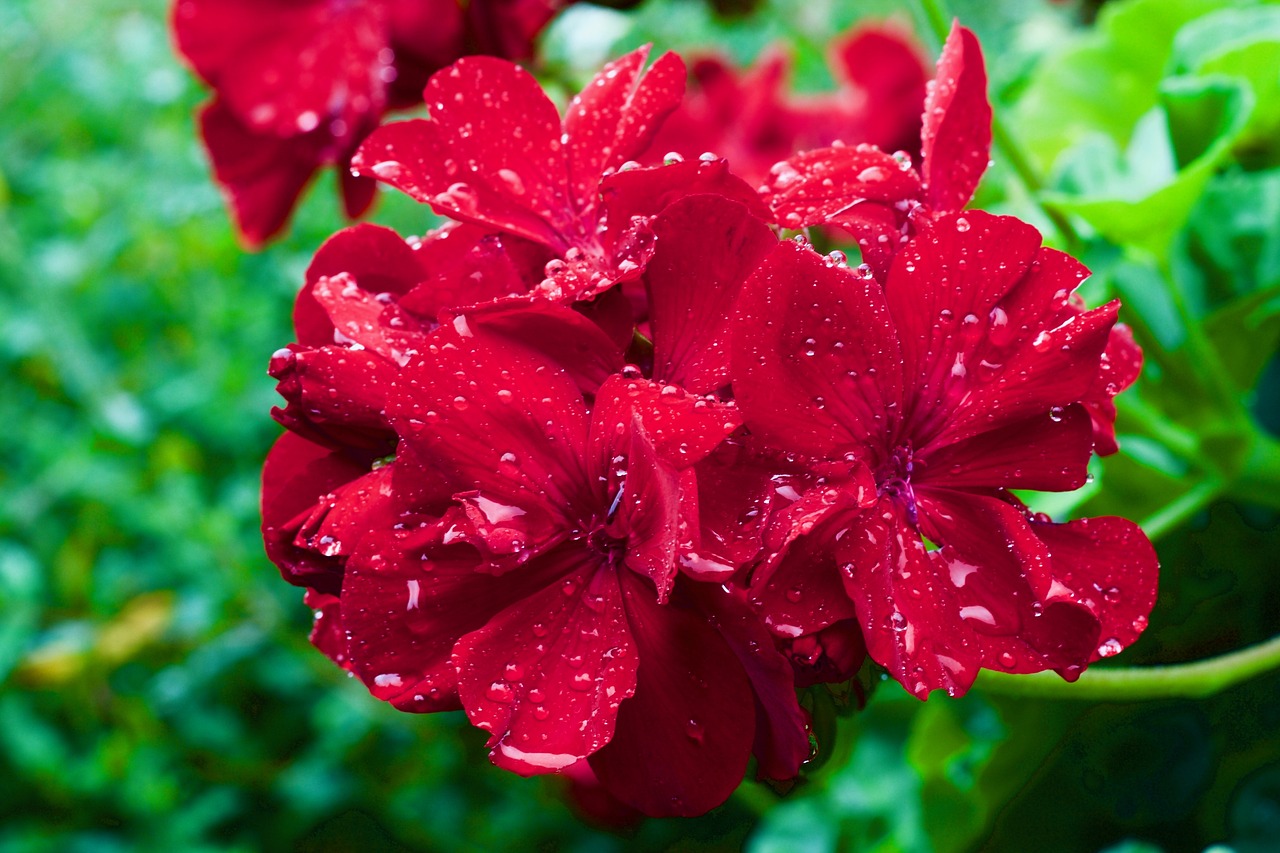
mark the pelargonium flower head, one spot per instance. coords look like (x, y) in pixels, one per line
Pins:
(879, 197)
(749, 118)
(547, 600)
(918, 405)
(496, 153)
(299, 83)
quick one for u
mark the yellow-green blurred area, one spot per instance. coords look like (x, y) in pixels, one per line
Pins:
(157, 691)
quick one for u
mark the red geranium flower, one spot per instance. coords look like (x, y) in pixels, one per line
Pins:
(496, 153)
(751, 119)
(299, 83)
(879, 197)
(916, 407)
(546, 600)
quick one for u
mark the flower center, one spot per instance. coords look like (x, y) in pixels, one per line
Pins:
(611, 549)
(894, 480)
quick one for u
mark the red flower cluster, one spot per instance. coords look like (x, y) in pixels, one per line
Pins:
(298, 84)
(750, 119)
(610, 466)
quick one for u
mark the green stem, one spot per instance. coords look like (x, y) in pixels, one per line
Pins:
(1211, 371)
(1180, 441)
(1198, 680)
(1172, 514)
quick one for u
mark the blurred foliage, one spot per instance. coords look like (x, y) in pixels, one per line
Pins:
(156, 688)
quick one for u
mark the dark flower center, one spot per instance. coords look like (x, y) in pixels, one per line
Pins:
(894, 480)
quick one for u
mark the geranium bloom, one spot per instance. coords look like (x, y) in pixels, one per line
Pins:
(496, 153)
(546, 599)
(751, 119)
(879, 197)
(917, 405)
(622, 571)
(299, 83)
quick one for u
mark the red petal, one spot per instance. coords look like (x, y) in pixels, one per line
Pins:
(881, 62)
(335, 396)
(648, 513)
(327, 634)
(815, 186)
(909, 615)
(491, 153)
(782, 739)
(407, 601)
(1121, 363)
(545, 676)
(1008, 598)
(648, 192)
(377, 258)
(471, 267)
(497, 419)
(683, 427)
(616, 114)
(508, 27)
(564, 337)
(956, 139)
(364, 320)
(1109, 566)
(707, 248)
(815, 358)
(1047, 452)
(260, 175)
(683, 740)
(296, 475)
(797, 589)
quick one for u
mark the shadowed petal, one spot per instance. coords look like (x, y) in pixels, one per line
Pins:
(683, 740)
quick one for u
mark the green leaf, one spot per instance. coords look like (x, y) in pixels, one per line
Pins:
(1246, 334)
(1233, 235)
(1107, 80)
(1245, 44)
(1144, 197)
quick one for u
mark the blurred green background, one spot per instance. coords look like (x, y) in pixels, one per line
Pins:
(157, 691)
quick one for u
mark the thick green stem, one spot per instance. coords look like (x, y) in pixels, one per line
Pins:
(1172, 514)
(1198, 680)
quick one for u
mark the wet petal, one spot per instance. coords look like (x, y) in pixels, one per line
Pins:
(545, 676)
(408, 599)
(376, 258)
(815, 358)
(956, 139)
(1009, 600)
(782, 738)
(335, 396)
(909, 615)
(814, 187)
(616, 114)
(683, 740)
(682, 427)
(1109, 566)
(707, 248)
(1047, 452)
(327, 633)
(297, 475)
(496, 419)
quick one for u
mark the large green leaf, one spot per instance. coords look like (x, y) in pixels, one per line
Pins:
(1143, 196)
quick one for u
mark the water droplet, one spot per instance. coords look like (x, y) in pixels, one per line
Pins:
(499, 691)
(794, 594)
(1109, 648)
(962, 224)
(1055, 414)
